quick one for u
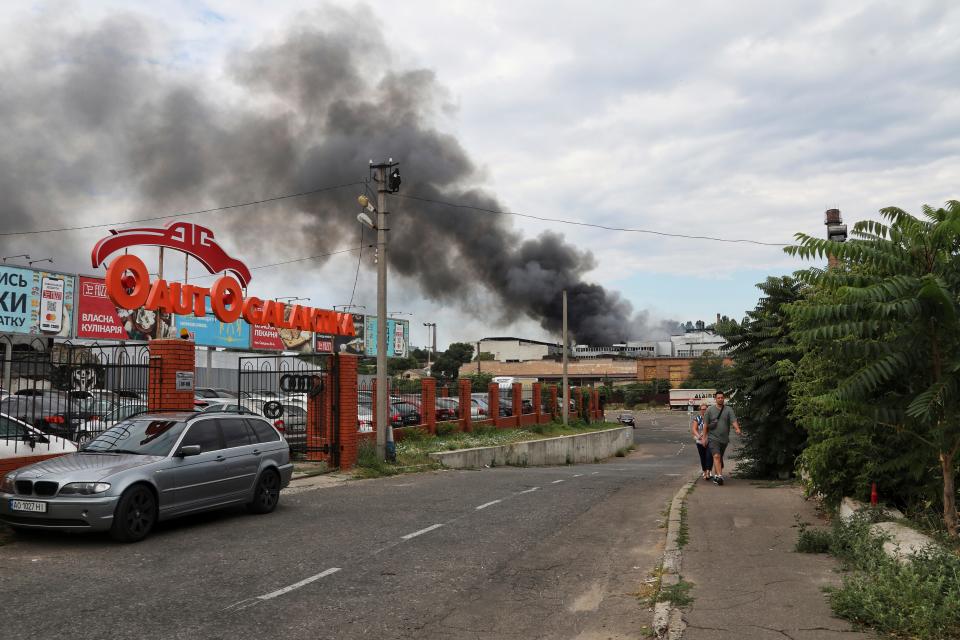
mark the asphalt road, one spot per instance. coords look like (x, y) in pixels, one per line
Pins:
(547, 552)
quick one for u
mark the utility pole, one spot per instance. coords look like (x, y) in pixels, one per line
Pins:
(566, 387)
(478, 357)
(387, 182)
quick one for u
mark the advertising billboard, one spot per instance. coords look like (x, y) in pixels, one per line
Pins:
(211, 332)
(267, 338)
(36, 302)
(398, 337)
(100, 319)
(353, 345)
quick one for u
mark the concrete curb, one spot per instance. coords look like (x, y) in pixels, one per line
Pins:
(667, 620)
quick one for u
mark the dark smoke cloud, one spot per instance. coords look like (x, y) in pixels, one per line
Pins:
(95, 110)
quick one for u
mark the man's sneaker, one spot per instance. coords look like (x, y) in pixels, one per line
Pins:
(719, 480)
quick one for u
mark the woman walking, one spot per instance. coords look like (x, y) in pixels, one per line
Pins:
(699, 431)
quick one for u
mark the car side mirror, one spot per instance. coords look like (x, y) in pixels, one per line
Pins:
(188, 450)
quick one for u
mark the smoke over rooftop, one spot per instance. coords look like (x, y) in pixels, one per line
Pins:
(87, 110)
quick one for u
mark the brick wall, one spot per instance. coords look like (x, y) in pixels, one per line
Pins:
(167, 357)
(9, 464)
(349, 437)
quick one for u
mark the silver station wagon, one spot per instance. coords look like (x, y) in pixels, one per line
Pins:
(148, 468)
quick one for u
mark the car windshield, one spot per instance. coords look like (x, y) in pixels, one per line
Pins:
(144, 437)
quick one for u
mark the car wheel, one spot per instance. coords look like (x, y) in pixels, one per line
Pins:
(266, 494)
(135, 515)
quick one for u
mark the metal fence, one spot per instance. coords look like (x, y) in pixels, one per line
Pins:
(406, 403)
(282, 390)
(57, 396)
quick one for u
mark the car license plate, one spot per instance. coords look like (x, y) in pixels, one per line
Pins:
(28, 505)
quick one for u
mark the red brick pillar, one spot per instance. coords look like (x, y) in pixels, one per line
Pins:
(167, 359)
(595, 404)
(537, 400)
(517, 404)
(577, 401)
(493, 400)
(428, 400)
(554, 404)
(465, 406)
(587, 405)
(444, 391)
(349, 437)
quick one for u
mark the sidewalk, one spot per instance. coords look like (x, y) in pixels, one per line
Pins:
(748, 581)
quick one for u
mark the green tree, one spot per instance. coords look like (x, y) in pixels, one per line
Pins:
(706, 372)
(897, 308)
(447, 364)
(763, 352)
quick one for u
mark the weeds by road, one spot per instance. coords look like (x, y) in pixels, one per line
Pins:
(919, 598)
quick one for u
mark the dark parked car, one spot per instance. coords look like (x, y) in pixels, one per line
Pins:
(404, 414)
(151, 467)
(54, 412)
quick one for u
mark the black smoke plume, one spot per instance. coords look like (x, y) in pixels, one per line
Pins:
(87, 110)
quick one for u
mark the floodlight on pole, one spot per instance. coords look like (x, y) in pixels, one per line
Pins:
(22, 255)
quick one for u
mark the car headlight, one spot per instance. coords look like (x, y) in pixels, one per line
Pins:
(83, 488)
(7, 485)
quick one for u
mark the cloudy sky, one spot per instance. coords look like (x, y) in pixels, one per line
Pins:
(741, 120)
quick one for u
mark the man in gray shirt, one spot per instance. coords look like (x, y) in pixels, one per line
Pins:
(719, 418)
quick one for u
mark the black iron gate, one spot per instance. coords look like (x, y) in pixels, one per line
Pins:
(297, 394)
(62, 394)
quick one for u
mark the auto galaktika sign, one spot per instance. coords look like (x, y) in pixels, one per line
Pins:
(128, 285)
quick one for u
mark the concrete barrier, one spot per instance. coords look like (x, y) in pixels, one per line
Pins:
(585, 447)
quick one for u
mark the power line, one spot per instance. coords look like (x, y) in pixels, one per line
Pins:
(455, 205)
(356, 278)
(183, 215)
(304, 259)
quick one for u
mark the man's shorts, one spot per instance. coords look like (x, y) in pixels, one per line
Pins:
(717, 448)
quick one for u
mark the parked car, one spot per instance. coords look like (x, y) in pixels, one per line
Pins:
(451, 407)
(103, 420)
(505, 410)
(152, 467)
(404, 414)
(364, 419)
(208, 393)
(53, 412)
(18, 439)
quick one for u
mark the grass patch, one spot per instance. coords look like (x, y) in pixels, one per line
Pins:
(677, 595)
(916, 599)
(369, 464)
(683, 536)
(812, 540)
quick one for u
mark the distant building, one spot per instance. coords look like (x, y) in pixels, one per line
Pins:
(694, 344)
(508, 349)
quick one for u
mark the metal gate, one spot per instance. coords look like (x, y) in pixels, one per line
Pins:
(62, 393)
(297, 394)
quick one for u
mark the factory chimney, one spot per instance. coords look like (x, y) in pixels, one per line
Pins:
(836, 232)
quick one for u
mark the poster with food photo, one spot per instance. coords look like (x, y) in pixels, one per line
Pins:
(99, 319)
(273, 339)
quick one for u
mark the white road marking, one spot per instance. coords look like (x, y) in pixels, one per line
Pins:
(595, 473)
(577, 475)
(556, 482)
(488, 504)
(421, 532)
(297, 585)
(249, 602)
(530, 490)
